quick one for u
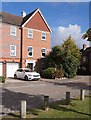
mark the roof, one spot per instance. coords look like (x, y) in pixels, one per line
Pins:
(88, 49)
(11, 19)
(19, 21)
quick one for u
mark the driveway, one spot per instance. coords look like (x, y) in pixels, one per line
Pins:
(13, 91)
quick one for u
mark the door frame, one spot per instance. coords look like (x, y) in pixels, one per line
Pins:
(31, 61)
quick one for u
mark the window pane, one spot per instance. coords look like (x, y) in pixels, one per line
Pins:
(29, 48)
(12, 47)
(30, 53)
(43, 54)
(30, 31)
(43, 50)
(12, 53)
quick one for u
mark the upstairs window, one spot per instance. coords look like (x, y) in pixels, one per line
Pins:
(30, 51)
(12, 50)
(84, 59)
(43, 51)
(43, 35)
(30, 33)
(13, 30)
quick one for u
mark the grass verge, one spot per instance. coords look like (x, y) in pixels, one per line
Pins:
(76, 109)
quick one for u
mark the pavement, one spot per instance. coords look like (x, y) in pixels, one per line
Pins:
(13, 91)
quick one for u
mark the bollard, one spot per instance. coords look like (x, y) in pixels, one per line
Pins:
(82, 94)
(67, 98)
(23, 109)
(46, 102)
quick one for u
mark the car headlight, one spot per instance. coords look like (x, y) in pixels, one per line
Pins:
(29, 75)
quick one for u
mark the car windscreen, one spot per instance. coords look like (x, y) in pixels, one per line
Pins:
(27, 70)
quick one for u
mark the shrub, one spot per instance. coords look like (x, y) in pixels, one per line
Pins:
(53, 72)
(49, 73)
(59, 73)
(2, 79)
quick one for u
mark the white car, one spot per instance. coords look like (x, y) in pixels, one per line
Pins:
(27, 74)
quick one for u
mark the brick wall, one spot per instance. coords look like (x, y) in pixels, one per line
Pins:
(37, 22)
(8, 40)
(36, 42)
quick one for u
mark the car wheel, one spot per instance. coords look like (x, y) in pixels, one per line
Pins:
(26, 78)
(15, 76)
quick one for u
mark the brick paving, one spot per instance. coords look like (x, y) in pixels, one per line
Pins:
(13, 91)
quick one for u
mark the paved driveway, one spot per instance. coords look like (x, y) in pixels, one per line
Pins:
(13, 91)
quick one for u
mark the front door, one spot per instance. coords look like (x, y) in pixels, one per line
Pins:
(30, 65)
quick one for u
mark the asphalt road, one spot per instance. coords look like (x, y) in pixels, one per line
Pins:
(13, 91)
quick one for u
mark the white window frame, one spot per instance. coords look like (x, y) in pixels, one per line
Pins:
(30, 33)
(11, 51)
(13, 30)
(84, 58)
(31, 51)
(43, 34)
(43, 52)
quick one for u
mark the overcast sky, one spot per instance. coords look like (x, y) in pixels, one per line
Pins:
(64, 18)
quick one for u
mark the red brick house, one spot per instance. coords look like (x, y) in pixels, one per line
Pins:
(25, 39)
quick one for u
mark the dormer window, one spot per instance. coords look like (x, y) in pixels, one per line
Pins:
(30, 33)
(43, 35)
(13, 30)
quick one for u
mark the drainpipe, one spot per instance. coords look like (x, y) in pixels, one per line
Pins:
(21, 48)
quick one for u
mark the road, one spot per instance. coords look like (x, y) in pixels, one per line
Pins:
(13, 91)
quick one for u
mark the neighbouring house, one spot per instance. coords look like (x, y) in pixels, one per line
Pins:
(85, 65)
(86, 54)
(25, 40)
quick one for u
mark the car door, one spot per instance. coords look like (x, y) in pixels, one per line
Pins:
(22, 74)
(19, 73)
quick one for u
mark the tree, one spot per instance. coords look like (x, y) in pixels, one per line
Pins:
(70, 57)
(66, 57)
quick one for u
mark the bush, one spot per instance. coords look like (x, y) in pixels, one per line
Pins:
(59, 73)
(2, 79)
(53, 72)
(49, 73)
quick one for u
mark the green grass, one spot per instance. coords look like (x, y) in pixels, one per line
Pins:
(76, 109)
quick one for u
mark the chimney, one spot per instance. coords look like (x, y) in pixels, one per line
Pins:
(84, 46)
(23, 14)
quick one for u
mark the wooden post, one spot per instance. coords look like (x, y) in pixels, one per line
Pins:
(23, 109)
(46, 102)
(67, 98)
(82, 94)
